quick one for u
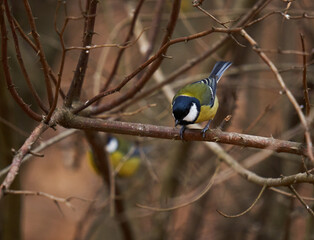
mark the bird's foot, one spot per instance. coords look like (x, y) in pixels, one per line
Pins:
(182, 131)
(205, 129)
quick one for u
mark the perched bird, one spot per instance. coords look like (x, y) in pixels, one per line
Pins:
(197, 102)
(123, 155)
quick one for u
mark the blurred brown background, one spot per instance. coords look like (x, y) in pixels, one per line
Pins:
(248, 92)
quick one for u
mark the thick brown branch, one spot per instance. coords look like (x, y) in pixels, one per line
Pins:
(214, 135)
(16, 162)
(78, 78)
(96, 143)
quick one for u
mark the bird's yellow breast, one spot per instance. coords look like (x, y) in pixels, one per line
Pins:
(208, 113)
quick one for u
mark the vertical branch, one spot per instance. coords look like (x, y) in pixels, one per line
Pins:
(290, 96)
(155, 27)
(58, 83)
(4, 56)
(79, 74)
(307, 207)
(305, 88)
(102, 163)
(33, 46)
(20, 59)
(41, 54)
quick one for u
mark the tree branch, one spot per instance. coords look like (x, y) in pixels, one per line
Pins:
(20, 59)
(40, 52)
(4, 56)
(214, 135)
(16, 162)
(121, 51)
(78, 78)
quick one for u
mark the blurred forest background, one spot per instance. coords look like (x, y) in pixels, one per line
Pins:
(170, 171)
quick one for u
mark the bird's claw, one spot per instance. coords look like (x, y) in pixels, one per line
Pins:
(182, 132)
(205, 129)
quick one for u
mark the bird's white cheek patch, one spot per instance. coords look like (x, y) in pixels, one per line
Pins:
(112, 145)
(192, 115)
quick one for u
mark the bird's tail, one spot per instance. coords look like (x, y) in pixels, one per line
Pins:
(219, 68)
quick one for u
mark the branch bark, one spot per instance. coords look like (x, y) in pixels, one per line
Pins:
(78, 78)
(16, 162)
(213, 135)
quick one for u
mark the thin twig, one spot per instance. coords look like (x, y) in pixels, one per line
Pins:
(190, 63)
(42, 146)
(117, 45)
(247, 210)
(305, 88)
(290, 194)
(187, 203)
(11, 87)
(123, 46)
(40, 52)
(219, 22)
(16, 162)
(252, 177)
(33, 46)
(139, 85)
(13, 127)
(286, 90)
(20, 59)
(310, 210)
(124, 114)
(66, 201)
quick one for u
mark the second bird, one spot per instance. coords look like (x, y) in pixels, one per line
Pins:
(197, 102)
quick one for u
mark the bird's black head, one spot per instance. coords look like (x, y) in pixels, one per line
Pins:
(185, 109)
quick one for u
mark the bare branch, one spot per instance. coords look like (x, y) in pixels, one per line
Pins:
(121, 51)
(310, 210)
(66, 201)
(4, 55)
(134, 90)
(147, 130)
(40, 52)
(286, 90)
(78, 78)
(157, 59)
(194, 198)
(253, 11)
(247, 210)
(42, 146)
(252, 177)
(305, 88)
(20, 59)
(16, 162)
(289, 194)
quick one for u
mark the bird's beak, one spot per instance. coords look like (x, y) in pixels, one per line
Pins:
(176, 123)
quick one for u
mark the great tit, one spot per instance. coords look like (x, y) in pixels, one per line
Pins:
(197, 102)
(123, 155)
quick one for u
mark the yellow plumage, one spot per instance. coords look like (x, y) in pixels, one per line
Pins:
(125, 166)
(197, 102)
(207, 112)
